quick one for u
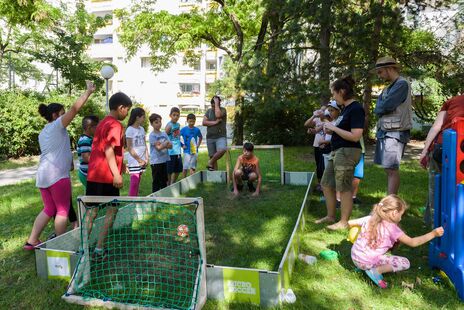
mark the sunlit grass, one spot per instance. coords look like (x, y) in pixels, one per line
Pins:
(325, 285)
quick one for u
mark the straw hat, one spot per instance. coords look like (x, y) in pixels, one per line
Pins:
(385, 62)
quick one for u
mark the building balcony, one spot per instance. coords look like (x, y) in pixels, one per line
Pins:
(101, 51)
(188, 95)
(107, 30)
(100, 5)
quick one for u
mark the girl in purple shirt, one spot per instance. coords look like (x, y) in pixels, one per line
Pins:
(379, 233)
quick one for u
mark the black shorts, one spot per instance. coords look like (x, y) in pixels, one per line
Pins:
(246, 174)
(175, 164)
(101, 189)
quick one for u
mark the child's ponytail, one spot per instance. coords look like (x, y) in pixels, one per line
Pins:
(136, 112)
(380, 212)
(47, 111)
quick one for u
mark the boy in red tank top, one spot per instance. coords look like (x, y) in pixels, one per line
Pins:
(247, 169)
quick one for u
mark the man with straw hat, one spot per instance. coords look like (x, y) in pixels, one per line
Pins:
(394, 111)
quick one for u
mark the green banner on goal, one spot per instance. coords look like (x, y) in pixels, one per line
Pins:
(241, 285)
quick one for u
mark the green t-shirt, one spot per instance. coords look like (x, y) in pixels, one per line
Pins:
(219, 130)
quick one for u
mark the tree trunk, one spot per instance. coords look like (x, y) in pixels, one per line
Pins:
(324, 51)
(374, 54)
(238, 121)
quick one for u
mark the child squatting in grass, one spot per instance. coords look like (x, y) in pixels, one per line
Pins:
(247, 169)
(379, 233)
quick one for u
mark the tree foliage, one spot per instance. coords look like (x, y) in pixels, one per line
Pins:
(36, 31)
(22, 123)
(284, 54)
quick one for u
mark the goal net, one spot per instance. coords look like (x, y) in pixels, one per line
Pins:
(149, 253)
(271, 161)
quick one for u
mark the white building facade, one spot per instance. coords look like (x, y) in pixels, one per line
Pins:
(180, 85)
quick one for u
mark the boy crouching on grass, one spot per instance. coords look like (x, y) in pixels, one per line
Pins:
(247, 169)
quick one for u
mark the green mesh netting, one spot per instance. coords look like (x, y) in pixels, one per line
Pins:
(151, 254)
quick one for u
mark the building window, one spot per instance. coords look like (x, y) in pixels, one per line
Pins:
(105, 60)
(103, 40)
(196, 66)
(189, 88)
(211, 65)
(145, 62)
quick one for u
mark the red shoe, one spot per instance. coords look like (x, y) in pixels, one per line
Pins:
(31, 247)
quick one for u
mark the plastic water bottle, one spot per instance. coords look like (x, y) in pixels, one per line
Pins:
(308, 259)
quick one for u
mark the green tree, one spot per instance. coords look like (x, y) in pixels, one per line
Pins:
(236, 27)
(64, 48)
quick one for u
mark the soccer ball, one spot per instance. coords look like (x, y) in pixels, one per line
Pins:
(182, 230)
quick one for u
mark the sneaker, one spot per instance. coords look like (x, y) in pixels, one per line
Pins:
(376, 277)
(338, 205)
(356, 201)
(251, 187)
(31, 247)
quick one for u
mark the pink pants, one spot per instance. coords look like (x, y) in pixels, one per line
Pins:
(56, 198)
(134, 184)
(398, 263)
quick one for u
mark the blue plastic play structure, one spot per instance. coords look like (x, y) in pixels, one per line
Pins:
(447, 252)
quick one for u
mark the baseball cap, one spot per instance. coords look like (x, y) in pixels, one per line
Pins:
(333, 104)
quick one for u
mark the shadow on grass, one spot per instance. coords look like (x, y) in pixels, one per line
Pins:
(249, 232)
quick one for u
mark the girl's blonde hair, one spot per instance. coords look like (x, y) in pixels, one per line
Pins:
(382, 211)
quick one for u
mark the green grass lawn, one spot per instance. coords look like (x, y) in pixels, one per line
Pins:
(326, 285)
(18, 163)
(247, 231)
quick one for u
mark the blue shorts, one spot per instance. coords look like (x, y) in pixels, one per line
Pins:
(175, 164)
(359, 169)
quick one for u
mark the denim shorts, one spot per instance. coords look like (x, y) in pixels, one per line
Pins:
(215, 145)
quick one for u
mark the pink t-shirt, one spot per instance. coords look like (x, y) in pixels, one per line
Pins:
(362, 253)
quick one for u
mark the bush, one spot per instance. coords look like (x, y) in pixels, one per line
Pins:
(418, 134)
(22, 123)
(278, 122)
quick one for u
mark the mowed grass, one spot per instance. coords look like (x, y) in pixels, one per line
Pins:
(326, 285)
(249, 232)
(19, 163)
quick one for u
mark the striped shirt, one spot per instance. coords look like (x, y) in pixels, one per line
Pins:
(84, 145)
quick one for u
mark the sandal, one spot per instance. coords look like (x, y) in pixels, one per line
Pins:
(31, 247)
(210, 168)
(376, 277)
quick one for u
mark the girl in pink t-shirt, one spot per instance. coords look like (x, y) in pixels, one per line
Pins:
(379, 233)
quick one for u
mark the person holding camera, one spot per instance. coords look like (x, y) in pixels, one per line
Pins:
(215, 120)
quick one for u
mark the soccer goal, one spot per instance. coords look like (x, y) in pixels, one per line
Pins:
(271, 161)
(151, 253)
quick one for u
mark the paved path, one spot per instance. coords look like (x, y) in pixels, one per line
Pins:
(13, 176)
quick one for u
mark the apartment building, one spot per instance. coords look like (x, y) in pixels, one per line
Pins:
(180, 85)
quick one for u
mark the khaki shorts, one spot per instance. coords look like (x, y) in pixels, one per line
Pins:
(339, 172)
